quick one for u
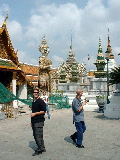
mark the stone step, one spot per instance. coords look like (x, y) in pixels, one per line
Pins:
(92, 107)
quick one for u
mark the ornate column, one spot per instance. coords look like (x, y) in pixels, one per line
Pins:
(14, 83)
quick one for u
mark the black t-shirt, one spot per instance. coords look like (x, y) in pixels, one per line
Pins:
(37, 106)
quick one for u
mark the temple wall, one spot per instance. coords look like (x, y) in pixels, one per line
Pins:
(22, 92)
(68, 87)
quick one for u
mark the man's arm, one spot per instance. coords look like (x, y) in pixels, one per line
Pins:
(37, 113)
(81, 107)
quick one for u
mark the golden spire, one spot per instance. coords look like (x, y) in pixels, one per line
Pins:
(4, 23)
(108, 38)
(109, 48)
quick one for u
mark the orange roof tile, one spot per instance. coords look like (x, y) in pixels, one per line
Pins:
(32, 77)
(29, 69)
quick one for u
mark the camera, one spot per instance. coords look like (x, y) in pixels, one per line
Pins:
(86, 100)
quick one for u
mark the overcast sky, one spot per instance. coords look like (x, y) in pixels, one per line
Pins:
(29, 20)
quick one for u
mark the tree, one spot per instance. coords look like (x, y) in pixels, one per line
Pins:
(115, 76)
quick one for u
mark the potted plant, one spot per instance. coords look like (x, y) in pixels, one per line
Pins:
(100, 99)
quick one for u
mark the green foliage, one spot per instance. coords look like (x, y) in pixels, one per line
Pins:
(100, 99)
(115, 76)
(100, 96)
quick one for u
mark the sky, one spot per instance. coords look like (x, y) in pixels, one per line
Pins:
(85, 20)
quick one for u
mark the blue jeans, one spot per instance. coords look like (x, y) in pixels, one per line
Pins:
(80, 127)
(47, 109)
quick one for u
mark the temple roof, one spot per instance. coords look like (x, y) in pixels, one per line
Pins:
(8, 65)
(29, 69)
(31, 72)
(8, 56)
(6, 48)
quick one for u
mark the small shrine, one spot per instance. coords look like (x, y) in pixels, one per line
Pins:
(100, 63)
(70, 70)
(44, 77)
(69, 75)
(63, 74)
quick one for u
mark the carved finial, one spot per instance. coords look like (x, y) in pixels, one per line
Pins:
(71, 39)
(108, 36)
(108, 31)
(17, 53)
(6, 16)
(4, 23)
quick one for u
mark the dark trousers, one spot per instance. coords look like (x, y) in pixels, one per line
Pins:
(38, 135)
(80, 127)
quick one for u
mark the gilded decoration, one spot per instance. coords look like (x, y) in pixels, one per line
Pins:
(6, 48)
(44, 73)
(44, 63)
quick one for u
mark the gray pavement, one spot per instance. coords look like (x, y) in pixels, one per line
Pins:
(101, 139)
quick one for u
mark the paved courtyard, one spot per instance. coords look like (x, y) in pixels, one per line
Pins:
(101, 139)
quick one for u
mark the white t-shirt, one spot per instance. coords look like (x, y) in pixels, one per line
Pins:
(45, 99)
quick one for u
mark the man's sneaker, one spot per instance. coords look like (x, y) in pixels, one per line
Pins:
(44, 150)
(80, 146)
(37, 153)
(73, 138)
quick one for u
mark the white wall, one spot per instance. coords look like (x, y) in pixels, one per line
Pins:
(22, 92)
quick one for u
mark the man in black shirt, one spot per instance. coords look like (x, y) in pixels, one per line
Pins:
(37, 121)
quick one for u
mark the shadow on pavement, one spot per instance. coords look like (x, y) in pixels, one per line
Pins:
(32, 145)
(116, 145)
(101, 116)
(68, 139)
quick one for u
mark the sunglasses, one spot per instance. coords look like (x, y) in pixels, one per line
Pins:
(35, 92)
